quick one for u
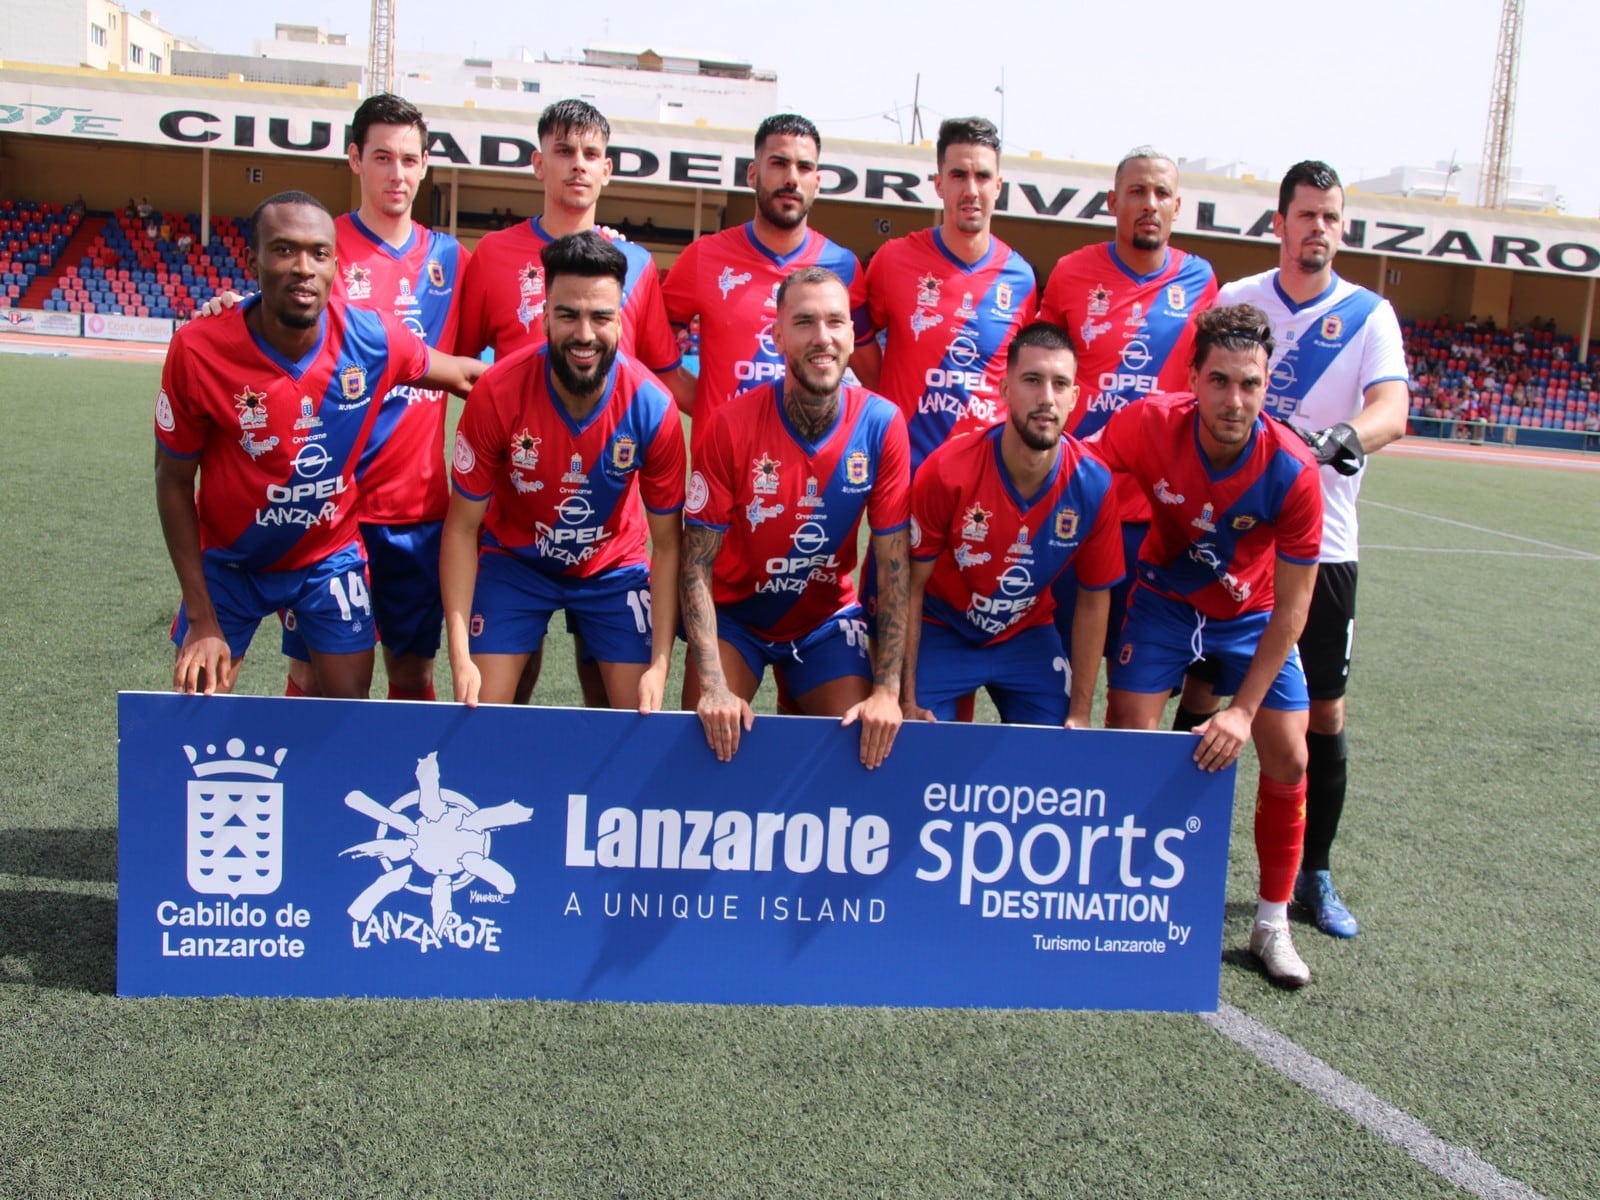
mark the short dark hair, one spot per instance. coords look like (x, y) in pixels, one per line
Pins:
(1237, 327)
(566, 115)
(806, 275)
(1311, 173)
(253, 227)
(587, 254)
(966, 131)
(787, 123)
(1046, 335)
(385, 109)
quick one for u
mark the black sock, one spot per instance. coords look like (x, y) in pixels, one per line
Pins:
(1185, 719)
(1325, 788)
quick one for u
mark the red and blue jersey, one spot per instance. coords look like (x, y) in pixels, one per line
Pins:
(279, 441)
(996, 552)
(790, 508)
(563, 494)
(402, 473)
(730, 281)
(502, 303)
(1214, 535)
(949, 325)
(1134, 333)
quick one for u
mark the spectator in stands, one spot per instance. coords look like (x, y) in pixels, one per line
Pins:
(143, 210)
(185, 242)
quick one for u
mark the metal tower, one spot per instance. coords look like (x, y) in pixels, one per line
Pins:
(380, 48)
(1495, 171)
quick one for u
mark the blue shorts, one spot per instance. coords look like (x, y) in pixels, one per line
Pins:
(513, 602)
(327, 603)
(403, 561)
(833, 650)
(1026, 675)
(1162, 637)
(1065, 590)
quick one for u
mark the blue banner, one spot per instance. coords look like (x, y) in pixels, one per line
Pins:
(272, 847)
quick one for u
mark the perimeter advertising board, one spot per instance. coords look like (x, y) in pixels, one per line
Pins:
(337, 848)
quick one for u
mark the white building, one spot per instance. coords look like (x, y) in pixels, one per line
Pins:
(1457, 183)
(100, 34)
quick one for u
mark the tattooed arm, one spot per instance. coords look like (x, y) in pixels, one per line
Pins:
(721, 713)
(879, 713)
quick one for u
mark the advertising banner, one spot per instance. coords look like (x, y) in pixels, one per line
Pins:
(37, 320)
(121, 328)
(274, 847)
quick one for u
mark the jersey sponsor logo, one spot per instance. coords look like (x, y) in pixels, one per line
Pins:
(525, 486)
(856, 467)
(464, 460)
(1021, 549)
(436, 272)
(1067, 524)
(916, 532)
(1136, 356)
(357, 282)
(809, 562)
(308, 418)
(1283, 376)
(923, 320)
(963, 351)
(575, 472)
(311, 461)
(403, 298)
(254, 448)
(1091, 329)
(524, 450)
(812, 498)
(252, 408)
(530, 292)
(966, 312)
(575, 510)
(353, 382)
(699, 492)
(1165, 494)
(164, 418)
(1015, 580)
(772, 298)
(766, 474)
(967, 557)
(727, 281)
(928, 292)
(623, 451)
(975, 523)
(412, 394)
(757, 512)
(1206, 555)
(1205, 520)
(1099, 300)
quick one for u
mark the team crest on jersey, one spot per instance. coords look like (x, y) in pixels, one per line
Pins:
(1206, 520)
(622, 454)
(252, 408)
(463, 459)
(308, 415)
(436, 272)
(1135, 316)
(727, 281)
(1002, 297)
(1332, 327)
(575, 472)
(403, 298)
(766, 474)
(928, 292)
(477, 625)
(812, 499)
(1177, 298)
(524, 450)
(164, 417)
(1099, 300)
(856, 468)
(1067, 524)
(353, 382)
(975, 523)
(1244, 523)
(357, 282)
(922, 319)
(966, 312)
(1021, 548)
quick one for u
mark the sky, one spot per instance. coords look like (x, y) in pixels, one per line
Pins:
(1366, 85)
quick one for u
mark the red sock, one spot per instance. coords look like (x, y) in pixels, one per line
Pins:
(967, 708)
(1280, 829)
(294, 689)
(426, 693)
